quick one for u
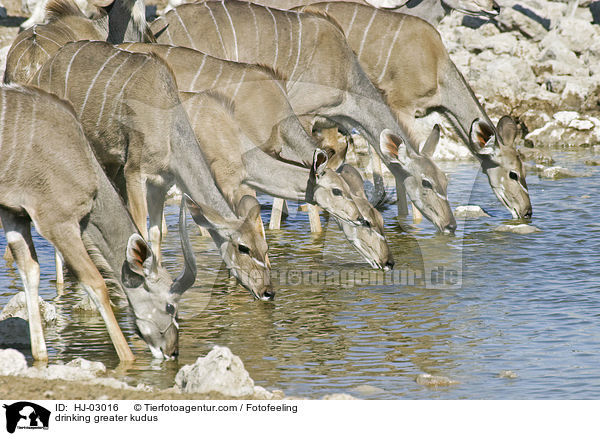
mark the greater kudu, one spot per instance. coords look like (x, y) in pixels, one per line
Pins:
(277, 132)
(323, 78)
(410, 64)
(130, 110)
(49, 176)
(239, 166)
(66, 23)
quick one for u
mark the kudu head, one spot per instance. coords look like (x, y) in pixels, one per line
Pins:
(241, 243)
(500, 161)
(369, 236)
(425, 183)
(341, 194)
(153, 295)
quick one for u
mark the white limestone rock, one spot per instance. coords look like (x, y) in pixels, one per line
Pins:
(220, 371)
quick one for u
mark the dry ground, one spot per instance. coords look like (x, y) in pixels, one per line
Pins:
(24, 388)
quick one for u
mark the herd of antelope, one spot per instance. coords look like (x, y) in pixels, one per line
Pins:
(100, 116)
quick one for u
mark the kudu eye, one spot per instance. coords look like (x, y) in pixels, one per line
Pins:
(365, 223)
(513, 175)
(243, 249)
(337, 192)
(427, 184)
(170, 309)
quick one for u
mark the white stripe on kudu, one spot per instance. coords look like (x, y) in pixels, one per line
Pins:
(365, 33)
(69, 68)
(291, 35)
(116, 70)
(9, 164)
(195, 79)
(184, 27)
(387, 59)
(299, 44)
(276, 38)
(43, 37)
(216, 27)
(218, 76)
(257, 40)
(232, 30)
(119, 98)
(352, 20)
(240, 81)
(87, 94)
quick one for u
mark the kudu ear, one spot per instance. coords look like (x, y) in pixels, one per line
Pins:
(430, 145)
(319, 165)
(507, 129)
(140, 261)
(204, 215)
(482, 137)
(394, 148)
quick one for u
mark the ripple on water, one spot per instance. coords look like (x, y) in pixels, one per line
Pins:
(528, 304)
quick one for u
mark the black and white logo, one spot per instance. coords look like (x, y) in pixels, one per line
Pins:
(26, 415)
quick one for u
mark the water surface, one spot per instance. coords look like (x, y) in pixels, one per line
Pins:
(467, 307)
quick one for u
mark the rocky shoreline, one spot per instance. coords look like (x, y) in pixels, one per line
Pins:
(220, 375)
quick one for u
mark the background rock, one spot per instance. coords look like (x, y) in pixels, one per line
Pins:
(17, 308)
(14, 332)
(12, 362)
(433, 381)
(521, 229)
(469, 211)
(220, 371)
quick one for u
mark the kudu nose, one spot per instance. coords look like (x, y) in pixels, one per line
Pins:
(450, 228)
(268, 294)
(389, 265)
(528, 213)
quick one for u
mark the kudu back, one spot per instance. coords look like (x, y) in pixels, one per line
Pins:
(410, 64)
(130, 110)
(272, 132)
(323, 78)
(49, 176)
(430, 10)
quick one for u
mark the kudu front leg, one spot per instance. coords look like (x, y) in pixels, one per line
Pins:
(68, 240)
(20, 243)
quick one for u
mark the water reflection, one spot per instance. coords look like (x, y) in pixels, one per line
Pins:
(527, 303)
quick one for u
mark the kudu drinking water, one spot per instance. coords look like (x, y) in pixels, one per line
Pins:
(50, 177)
(323, 78)
(410, 64)
(130, 110)
(239, 166)
(66, 23)
(276, 132)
